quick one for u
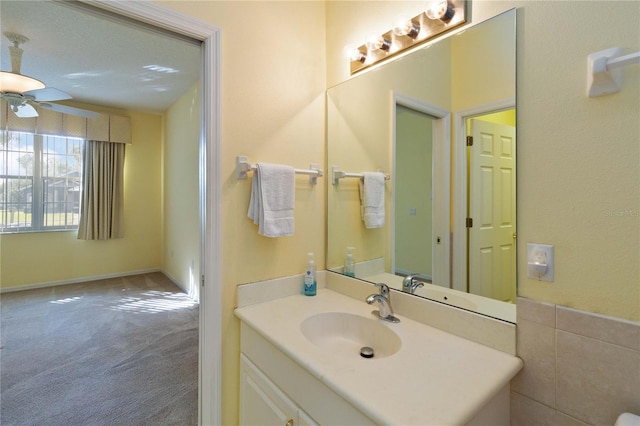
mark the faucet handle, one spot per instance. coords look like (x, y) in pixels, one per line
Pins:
(384, 289)
(407, 283)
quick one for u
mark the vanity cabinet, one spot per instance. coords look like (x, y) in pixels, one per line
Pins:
(286, 378)
(263, 403)
(275, 389)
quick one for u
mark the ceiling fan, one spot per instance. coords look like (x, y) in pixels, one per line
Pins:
(22, 92)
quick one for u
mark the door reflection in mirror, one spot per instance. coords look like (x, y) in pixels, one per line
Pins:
(491, 162)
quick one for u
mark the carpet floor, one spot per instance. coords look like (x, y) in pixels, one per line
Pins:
(121, 351)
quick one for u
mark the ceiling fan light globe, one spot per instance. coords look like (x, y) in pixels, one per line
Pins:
(18, 83)
(14, 101)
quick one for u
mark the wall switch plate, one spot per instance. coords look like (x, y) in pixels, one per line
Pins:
(540, 262)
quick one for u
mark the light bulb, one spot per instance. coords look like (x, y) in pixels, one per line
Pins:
(375, 42)
(440, 10)
(403, 26)
(353, 53)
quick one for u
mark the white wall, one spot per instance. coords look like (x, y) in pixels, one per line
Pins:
(180, 180)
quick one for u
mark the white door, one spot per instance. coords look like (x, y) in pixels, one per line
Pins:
(262, 403)
(492, 207)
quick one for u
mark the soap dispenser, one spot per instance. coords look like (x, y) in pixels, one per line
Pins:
(349, 264)
(310, 277)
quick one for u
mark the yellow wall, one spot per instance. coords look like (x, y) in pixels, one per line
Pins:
(507, 117)
(273, 82)
(479, 75)
(578, 174)
(181, 219)
(578, 158)
(45, 257)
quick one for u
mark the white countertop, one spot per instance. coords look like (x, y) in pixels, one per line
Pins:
(435, 378)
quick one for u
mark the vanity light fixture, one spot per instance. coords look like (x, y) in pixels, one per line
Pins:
(441, 16)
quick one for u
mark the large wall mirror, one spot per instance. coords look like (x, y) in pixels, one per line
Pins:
(440, 123)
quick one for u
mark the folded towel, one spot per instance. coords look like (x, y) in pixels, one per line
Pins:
(272, 200)
(372, 189)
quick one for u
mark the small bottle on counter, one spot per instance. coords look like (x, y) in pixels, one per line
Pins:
(310, 277)
(350, 264)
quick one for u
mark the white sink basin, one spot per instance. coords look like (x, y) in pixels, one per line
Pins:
(345, 334)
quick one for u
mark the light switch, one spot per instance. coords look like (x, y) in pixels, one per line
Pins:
(540, 262)
(412, 211)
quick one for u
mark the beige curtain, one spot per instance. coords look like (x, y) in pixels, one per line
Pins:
(101, 215)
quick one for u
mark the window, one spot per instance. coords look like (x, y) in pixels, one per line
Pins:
(40, 182)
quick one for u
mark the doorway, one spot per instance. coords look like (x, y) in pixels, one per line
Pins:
(413, 198)
(428, 182)
(210, 192)
(207, 218)
(491, 208)
(476, 265)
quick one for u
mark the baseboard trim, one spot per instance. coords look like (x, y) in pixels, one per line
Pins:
(175, 281)
(83, 279)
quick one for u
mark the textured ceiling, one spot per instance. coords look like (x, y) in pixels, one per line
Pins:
(98, 59)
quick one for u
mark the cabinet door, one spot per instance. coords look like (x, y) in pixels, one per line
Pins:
(261, 402)
(305, 420)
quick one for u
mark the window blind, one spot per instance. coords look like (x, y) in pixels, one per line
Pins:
(107, 128)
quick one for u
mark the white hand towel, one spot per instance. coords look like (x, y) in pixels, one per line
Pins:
(372, 189)
(273, 199)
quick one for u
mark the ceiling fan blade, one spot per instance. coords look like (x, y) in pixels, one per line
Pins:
(25, 111)
(48, 94)
(69, 110)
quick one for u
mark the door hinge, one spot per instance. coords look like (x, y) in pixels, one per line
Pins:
(469, 140)
(202, 280)
(469, 222)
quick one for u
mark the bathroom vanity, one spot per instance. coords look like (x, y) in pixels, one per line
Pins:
(301, 364)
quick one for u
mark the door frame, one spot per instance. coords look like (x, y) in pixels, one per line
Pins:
(210, 331)
(460, 187)
(441, 181)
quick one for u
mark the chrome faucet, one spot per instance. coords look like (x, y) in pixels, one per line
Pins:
(385, 312)
(410, 284)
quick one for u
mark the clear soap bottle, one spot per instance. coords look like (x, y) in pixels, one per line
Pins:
(310, 277)
(350, 264)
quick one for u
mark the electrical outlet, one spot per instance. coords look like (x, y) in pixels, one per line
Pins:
(540, 262)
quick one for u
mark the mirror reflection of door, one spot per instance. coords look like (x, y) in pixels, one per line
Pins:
(492, 206)
(413, 193)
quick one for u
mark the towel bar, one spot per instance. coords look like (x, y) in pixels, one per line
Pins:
(604, 75)
(339, 174)
(243, 167)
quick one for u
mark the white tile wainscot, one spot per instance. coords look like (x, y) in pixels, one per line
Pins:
(458, 382)
(581, 368)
